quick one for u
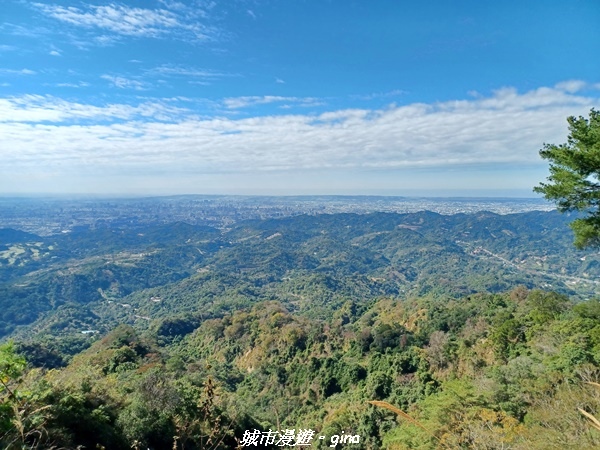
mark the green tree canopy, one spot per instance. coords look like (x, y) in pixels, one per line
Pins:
(574, 181)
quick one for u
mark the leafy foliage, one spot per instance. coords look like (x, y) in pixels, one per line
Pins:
(483, 371)
(574, 181)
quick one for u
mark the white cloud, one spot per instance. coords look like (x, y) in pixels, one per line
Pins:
(40, 109)
(29, 31)
(55, 53)
(17, 72)
(394, 93)
(246, 101)
(180, 71)
(506, 127)
(128, 21)
(171, 4)
(73, 85)
(116, 18)
(571, 86)
(124, 83)
(105, 40)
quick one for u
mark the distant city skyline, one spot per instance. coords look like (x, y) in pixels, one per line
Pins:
(51, 215)
(269, 97)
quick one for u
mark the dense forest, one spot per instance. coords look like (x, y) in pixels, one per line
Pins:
(397, 331)
(483, 371)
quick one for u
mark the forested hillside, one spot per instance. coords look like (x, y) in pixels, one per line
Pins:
(484, 371)
(481, 327)
(94, 278)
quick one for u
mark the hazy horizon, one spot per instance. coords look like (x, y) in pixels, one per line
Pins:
(470, 193)
(409, 195)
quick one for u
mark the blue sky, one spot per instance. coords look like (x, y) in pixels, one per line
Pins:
(290, 96)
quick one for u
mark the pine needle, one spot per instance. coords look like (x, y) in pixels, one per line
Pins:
(595, 423)
(401, 413)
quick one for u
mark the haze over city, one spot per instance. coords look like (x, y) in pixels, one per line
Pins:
(285, 98)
